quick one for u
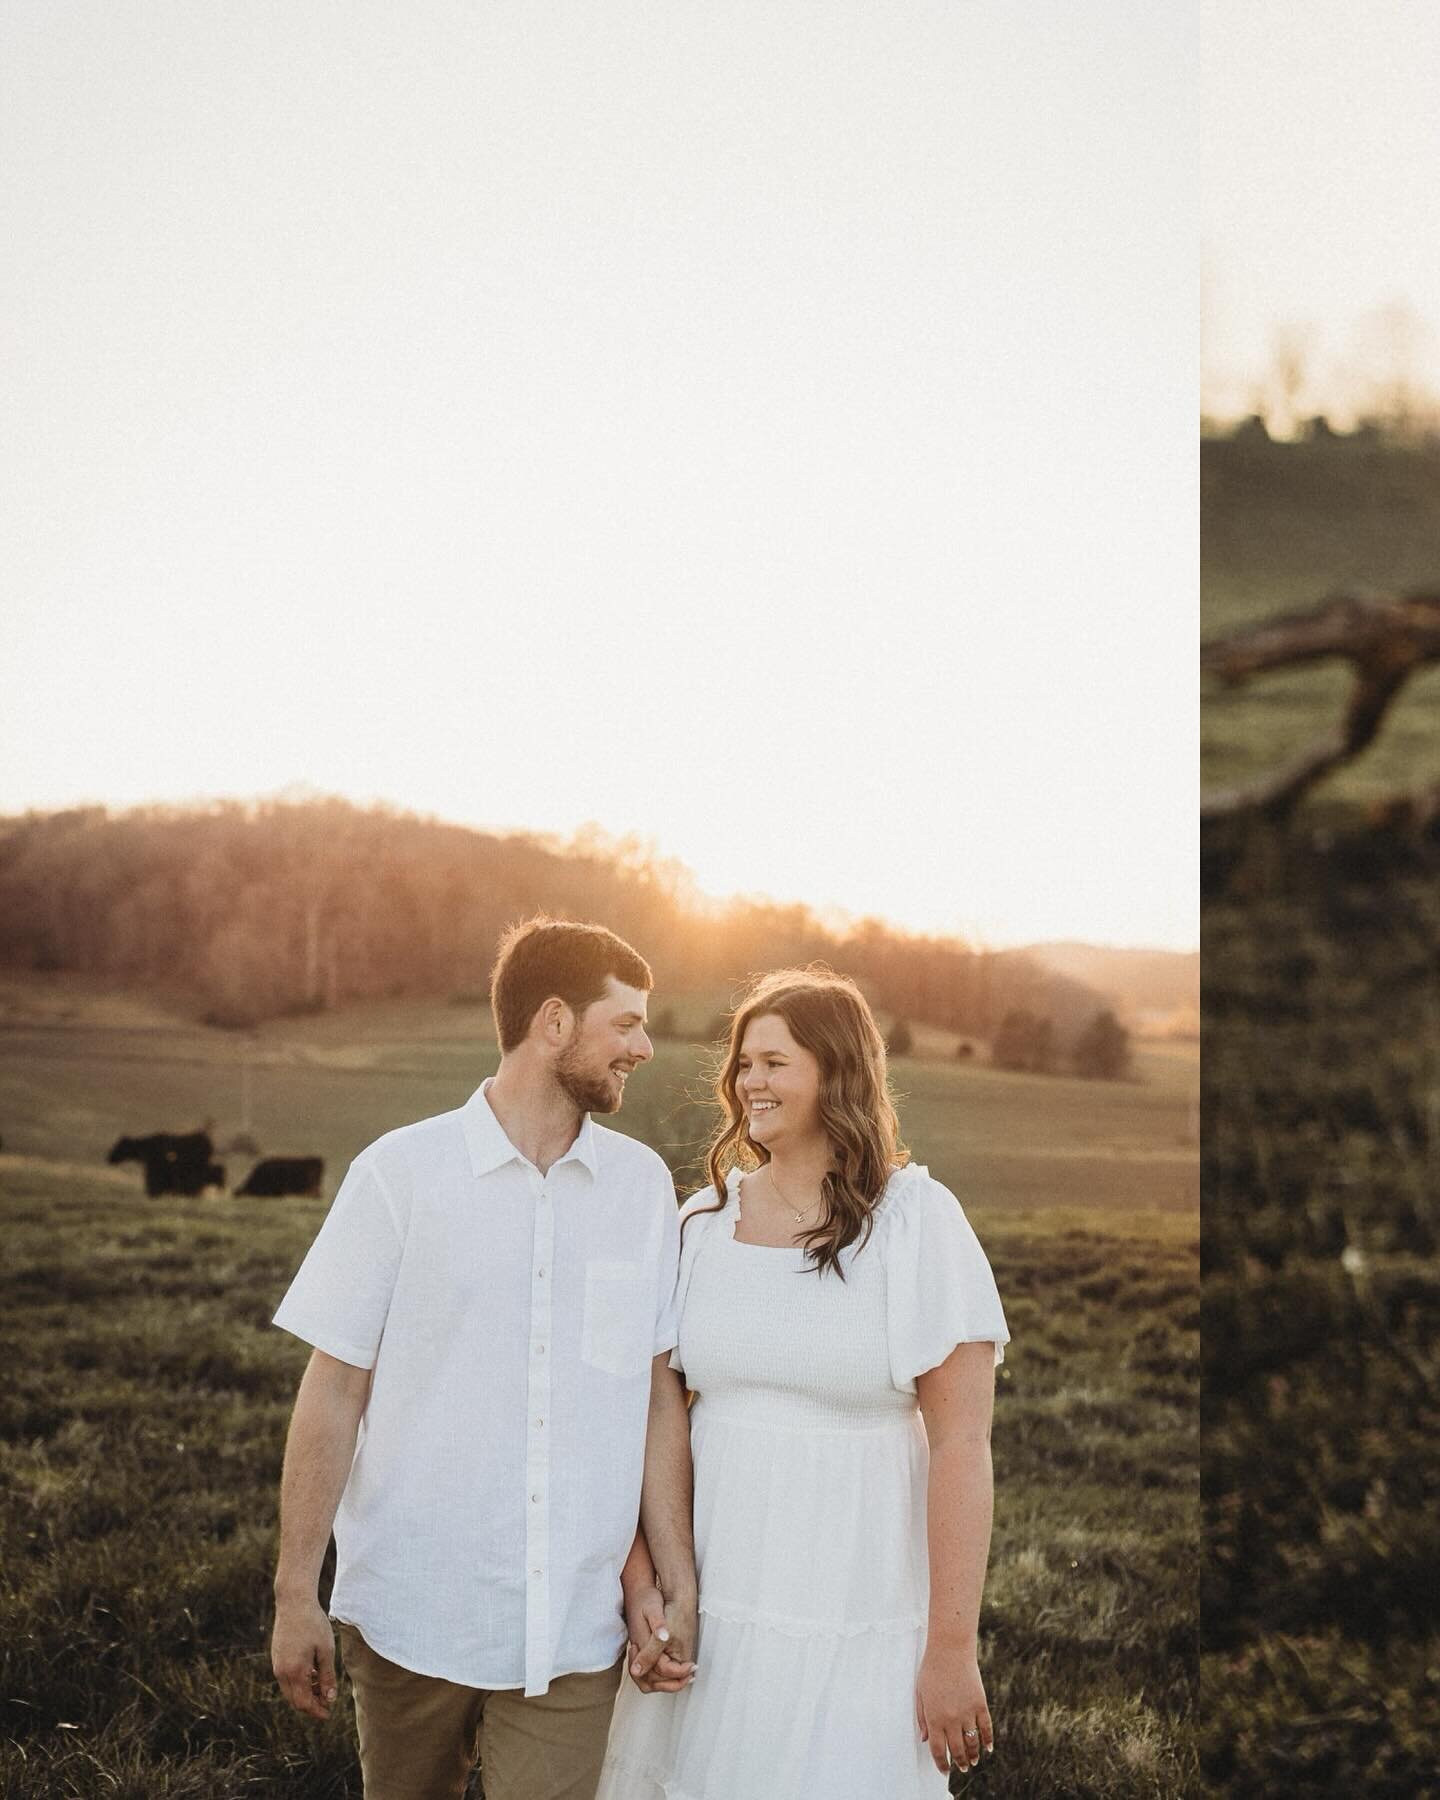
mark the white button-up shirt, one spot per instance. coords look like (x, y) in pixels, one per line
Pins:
(510, 1319)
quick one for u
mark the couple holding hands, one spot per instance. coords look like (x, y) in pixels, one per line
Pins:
(562, 1432)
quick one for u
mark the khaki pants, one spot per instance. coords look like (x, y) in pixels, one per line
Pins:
(419, 1736)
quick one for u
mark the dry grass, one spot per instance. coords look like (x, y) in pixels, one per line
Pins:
(144, 1409)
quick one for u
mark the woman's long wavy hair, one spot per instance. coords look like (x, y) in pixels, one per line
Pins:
(828, 1015)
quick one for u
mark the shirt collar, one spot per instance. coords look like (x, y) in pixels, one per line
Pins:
(490, 1148)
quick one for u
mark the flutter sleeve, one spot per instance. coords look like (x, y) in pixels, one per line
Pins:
(697, 1218)
(939, 1288)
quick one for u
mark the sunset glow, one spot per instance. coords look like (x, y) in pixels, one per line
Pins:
(1322, 139)
(766, 431)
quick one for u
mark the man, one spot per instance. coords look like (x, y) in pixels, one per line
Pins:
(490, 1302)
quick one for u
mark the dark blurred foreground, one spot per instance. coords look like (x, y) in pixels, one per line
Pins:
(1321, 1194)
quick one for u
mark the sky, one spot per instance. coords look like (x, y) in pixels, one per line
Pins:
(1318, 201)
(768, 429)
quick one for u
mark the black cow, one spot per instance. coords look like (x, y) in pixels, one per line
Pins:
(175, 1162)
(278, 1175)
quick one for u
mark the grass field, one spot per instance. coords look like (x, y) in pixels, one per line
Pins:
(1283, 525)
(143, 1415)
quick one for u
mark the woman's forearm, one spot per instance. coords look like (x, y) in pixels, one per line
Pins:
(665, 1504)
(639, 1569)
(959, 1509)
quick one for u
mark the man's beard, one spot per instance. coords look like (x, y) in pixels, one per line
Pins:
(587, 1090)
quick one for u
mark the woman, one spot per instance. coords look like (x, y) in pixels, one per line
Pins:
(836, 1312)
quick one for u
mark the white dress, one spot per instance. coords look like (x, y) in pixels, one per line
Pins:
(810, 1489)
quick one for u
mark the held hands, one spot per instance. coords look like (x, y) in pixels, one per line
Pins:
(659, 1664)
(302, 1654)
(949, 1701)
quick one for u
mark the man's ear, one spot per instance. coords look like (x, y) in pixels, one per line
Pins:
(554, 1018)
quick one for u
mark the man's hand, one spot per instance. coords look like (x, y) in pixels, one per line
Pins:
(302, 1654)
(661, 1641)
(318, 1453)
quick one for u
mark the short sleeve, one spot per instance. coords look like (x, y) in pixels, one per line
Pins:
(695, 1219)
(939, 1288)
(665, 1314)
(340, 1296)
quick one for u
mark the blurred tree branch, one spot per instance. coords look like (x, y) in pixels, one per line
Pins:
(1385, 639)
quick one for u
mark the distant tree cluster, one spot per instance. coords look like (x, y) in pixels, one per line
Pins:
(280, 906)
(1257, 430)
(901, 1039)
(1027, 1041)
(1102, 1050)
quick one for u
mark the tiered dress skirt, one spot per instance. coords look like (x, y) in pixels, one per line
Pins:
(812, 1622)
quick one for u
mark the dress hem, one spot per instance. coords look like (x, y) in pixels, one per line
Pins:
(622, 1764)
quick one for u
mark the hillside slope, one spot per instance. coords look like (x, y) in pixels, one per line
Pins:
(257, 910)
(1150, 989)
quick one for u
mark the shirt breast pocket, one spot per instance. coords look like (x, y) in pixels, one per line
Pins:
(618, 1324)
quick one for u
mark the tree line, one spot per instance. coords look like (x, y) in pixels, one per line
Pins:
(1029, 1041)
(258, 909)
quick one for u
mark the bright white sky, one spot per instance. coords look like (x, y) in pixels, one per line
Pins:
(766, 428)
(1319, 208)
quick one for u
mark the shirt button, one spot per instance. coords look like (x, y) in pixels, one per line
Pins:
(539, 1349)
(539, 1423)
(534, 1499)
(535, 1574)
(539, 1274)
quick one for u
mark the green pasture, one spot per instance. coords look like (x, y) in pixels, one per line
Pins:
(77, 1070)
(1283, 526)
(146, 1396)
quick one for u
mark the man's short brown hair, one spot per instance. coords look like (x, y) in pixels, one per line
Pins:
(556, 958)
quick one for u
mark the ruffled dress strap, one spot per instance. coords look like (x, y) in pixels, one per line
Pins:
(940, 1291)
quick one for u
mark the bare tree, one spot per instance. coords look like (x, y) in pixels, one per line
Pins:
(1384, 639)
(1291, 352)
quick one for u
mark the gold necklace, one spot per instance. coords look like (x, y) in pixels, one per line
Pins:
(785, 1200)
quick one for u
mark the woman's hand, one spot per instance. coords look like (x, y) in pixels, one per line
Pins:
(950, 1701)
(659, 1642)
